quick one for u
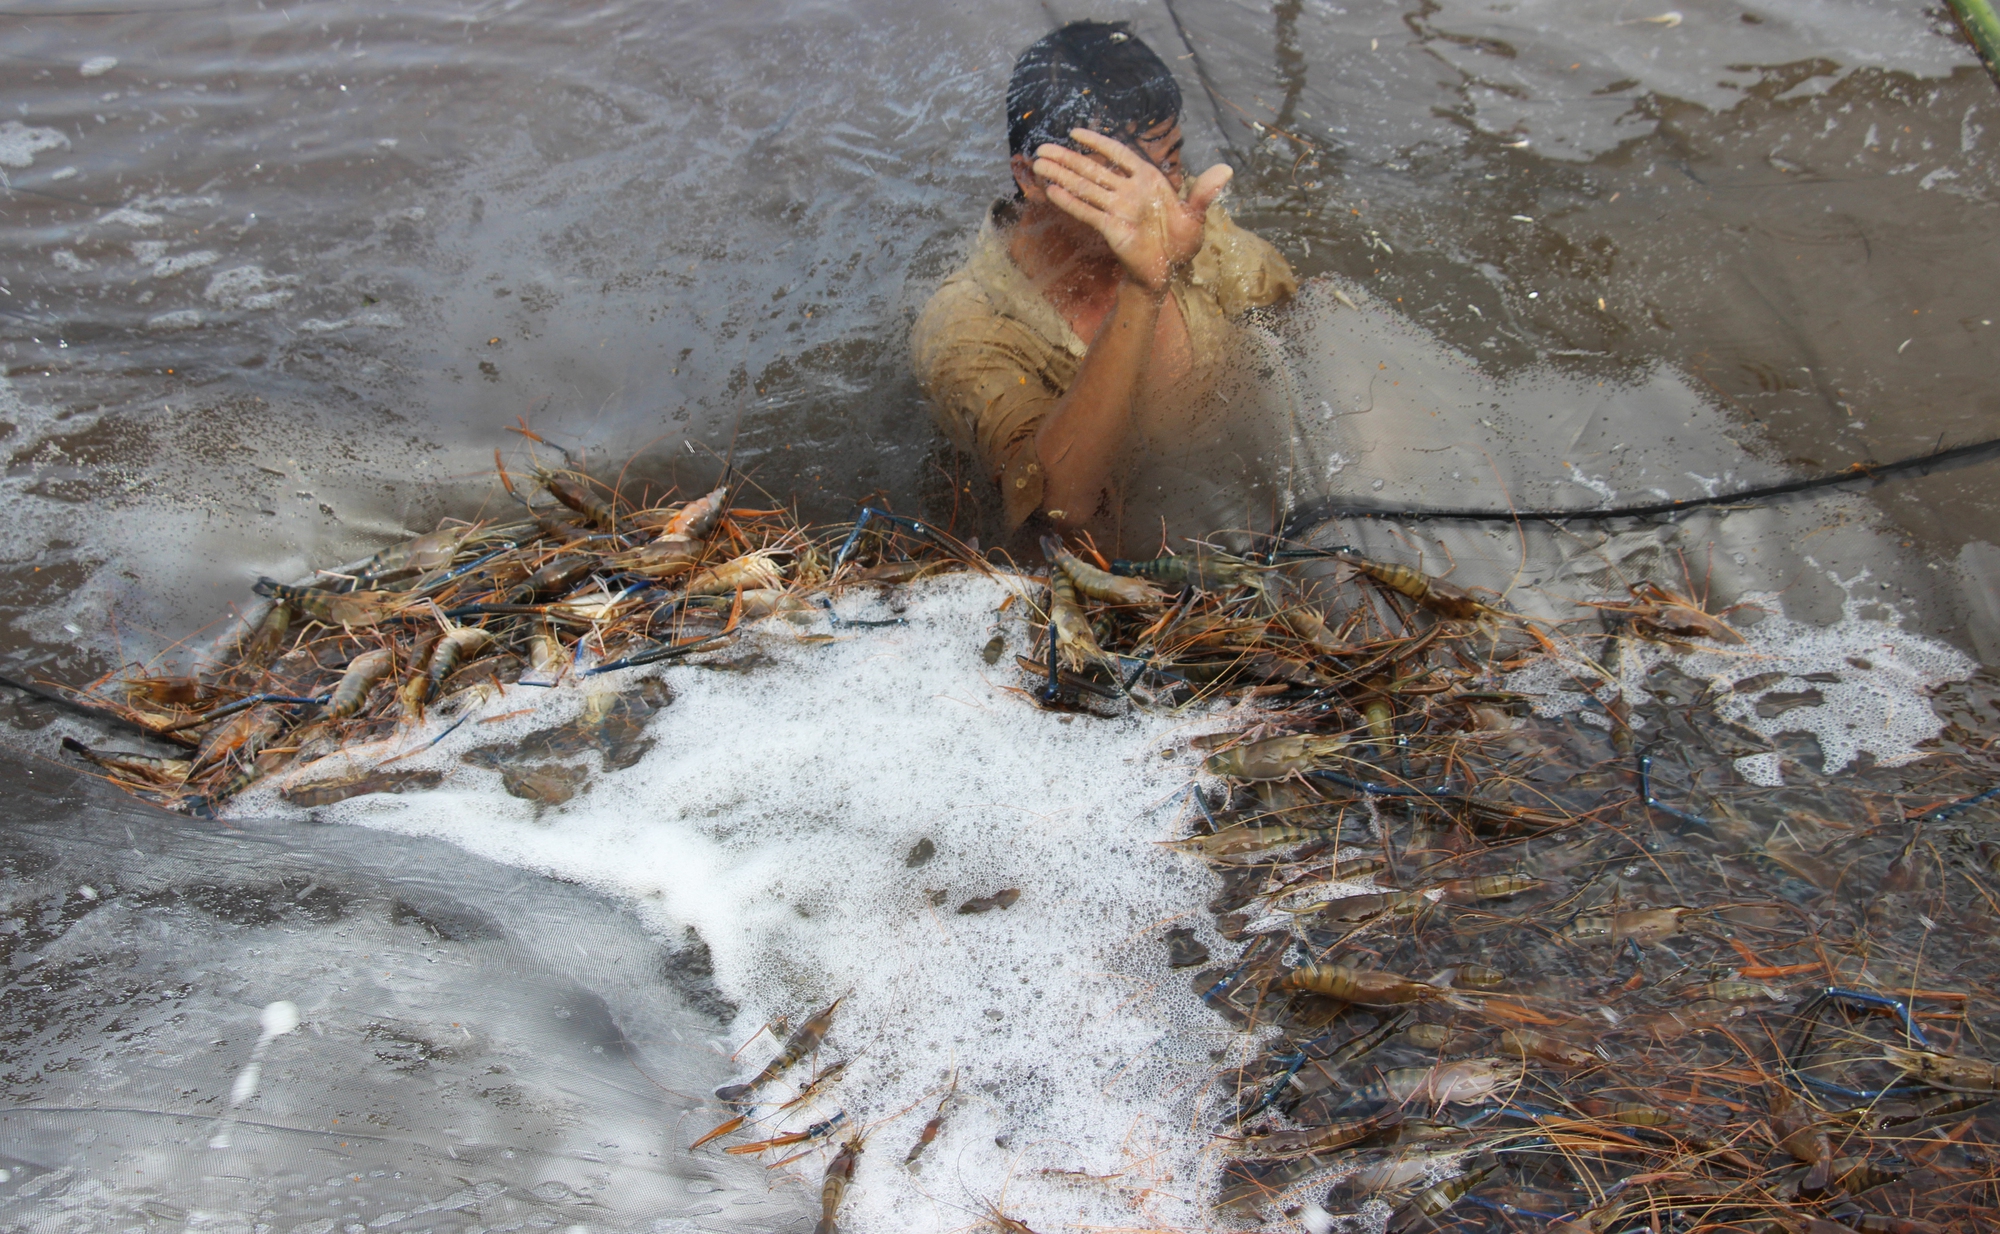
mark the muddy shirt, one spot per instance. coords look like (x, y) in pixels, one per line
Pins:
(994, 355)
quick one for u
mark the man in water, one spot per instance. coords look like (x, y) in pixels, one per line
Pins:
(1086, 335)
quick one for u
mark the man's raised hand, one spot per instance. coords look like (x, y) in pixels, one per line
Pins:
(1130, 203)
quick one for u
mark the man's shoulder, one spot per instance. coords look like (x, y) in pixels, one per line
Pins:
(962, 308)
(1240, 267)
(983, 304)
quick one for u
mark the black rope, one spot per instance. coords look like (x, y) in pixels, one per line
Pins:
(1303, 521)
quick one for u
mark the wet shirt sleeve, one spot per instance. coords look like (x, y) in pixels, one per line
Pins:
(990, 381)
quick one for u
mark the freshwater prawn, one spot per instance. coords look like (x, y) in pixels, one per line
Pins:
(1440, 597)
(1661, 615)
(349, 610)
(803, 1041)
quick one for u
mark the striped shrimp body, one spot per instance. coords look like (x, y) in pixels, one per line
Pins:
(139, 768)
(363, 673)
(839, 1176)
(1434, 594)
(425, 553)
(750, 572)
(1204, 570)
(1399, 1170)
(1957, 1073)
(354, 609)
(1467, 1081)
(1362, 986)
(261, 646)
(1305, 621)
(1645, 926)
(802, 1042)
(1243, 842)
(1070, 628)
(1274, 758)
(453, 649)
(662, 559)
(554, 578)
(1282, 1144)
(1529, 1043)
(1422, 1210)
(1488, 887)
(1368, 906)
(579, 498)
(241, 737)
(1095, 583)
(416, 688)
(546, 654)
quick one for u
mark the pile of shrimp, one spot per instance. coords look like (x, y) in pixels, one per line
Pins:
(1472, 968)
(576, 583)
(1498, 972)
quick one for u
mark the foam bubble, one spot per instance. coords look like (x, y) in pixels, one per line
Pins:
(129, 216)
(19, 144)
(250, 287)
(168, 267)
(775, 816)
(178, 319)
(1860, 685)
(97, 66)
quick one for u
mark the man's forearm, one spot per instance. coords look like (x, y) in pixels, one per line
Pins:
(1080, 439)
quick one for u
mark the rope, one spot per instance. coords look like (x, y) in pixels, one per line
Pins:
(1304, 520)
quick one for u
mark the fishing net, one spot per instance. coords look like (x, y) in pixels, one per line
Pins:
(1488, 894)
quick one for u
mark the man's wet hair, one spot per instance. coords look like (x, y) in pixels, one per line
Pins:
(1087, 75)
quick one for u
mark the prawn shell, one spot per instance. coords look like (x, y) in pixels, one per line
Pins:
(1434, 594)
(1243, 839)
(242, 737)
(1362, 987)
(556, 577)
(1307, 624)
(698, 517)
(1528, 1043)
(452, 650)
(426, 552)
(1072, 632)
(579, 499)
(1953, 1072)
(663, 559)
(1682, 622)
(145, 768)
(750, 572)
(1095, 583)
(362, 675)
(263, 643)
(1274, 758)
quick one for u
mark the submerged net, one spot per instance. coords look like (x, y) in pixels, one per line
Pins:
(1562, 901)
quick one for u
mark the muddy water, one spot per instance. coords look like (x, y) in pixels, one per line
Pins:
(276, 277)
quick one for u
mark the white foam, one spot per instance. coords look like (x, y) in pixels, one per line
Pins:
(168, 267)
(178, 319)
(19, 144)
(129, 216)
(1879, 705)
(97, 66)
(250, 287)
(775, 815)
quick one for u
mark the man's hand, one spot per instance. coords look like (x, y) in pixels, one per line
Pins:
(1130, 203)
